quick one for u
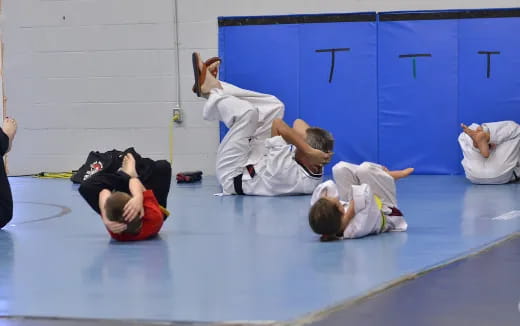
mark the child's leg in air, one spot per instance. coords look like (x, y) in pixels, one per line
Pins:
(241, 117)
(345, 177)
(381, 181)
(269, 107)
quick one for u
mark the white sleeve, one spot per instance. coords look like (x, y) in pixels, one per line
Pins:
(465, 141)
(276, 141)
(327, 188)
(502, 131)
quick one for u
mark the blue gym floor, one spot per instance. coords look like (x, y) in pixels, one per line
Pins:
(222, 259)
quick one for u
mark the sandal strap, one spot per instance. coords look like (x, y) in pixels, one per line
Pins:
(202, 76)
(211, 61)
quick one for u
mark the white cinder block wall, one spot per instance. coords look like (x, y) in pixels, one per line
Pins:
(101, 74)
(87, 74)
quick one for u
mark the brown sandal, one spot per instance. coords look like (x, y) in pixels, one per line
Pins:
(214, 72)
(198, 74)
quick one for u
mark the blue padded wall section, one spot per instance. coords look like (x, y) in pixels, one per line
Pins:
(264, 59)
(342, 100)
(282, 60)
(399, 87)
(418, 96)
(495, 94)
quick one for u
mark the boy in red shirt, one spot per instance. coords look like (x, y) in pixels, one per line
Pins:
(129, 210)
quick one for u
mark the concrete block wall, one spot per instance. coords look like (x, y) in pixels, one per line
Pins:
(83, 75)
(101, 74)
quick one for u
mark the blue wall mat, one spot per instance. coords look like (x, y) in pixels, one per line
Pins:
(344, 102)
(418, 103)
(282, 60)
(264, 59)
(399, 92)
(497, 96)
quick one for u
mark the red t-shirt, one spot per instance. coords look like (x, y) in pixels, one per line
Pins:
(152, 220)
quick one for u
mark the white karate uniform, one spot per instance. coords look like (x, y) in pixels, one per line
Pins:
(359, 183)
(249, 116)
(503, 163)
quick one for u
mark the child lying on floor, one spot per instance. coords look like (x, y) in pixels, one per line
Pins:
(360, 201)
(128, 209)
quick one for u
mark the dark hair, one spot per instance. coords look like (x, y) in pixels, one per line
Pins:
(114, 207)
(325, 219)
(319, 138)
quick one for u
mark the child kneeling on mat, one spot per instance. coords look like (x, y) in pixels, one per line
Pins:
(360, 201)
(129, 211)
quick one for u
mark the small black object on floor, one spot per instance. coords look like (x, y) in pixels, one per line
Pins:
(189, 177)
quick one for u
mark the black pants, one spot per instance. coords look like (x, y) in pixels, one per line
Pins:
(154, 175)
(159, 181)
(6, 198)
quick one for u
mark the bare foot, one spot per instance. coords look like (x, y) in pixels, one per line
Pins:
(468, 131)
(210, 81)
(9, 128)
(128, 165)
(480, 139)
(482, 142)
(213, 68)
(399, 174)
